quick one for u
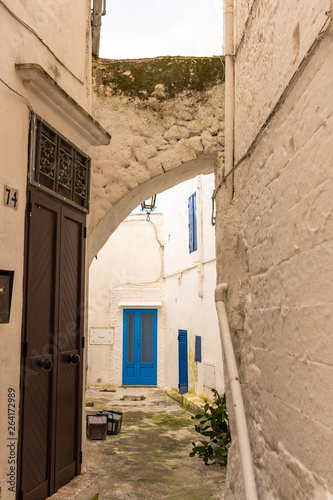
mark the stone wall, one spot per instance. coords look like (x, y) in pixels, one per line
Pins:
(275, 249)
(166, 119)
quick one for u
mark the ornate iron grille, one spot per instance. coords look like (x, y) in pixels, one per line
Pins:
(56, 165)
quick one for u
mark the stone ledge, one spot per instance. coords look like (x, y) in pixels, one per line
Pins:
(191, 403)
(83, 487)
(159, 77)
(43, 85)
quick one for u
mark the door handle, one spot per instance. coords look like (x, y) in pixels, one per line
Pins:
(74, 358)
(45, 364)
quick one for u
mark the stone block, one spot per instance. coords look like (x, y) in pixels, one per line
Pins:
(143, 151)
(185, 151)
(176, 132)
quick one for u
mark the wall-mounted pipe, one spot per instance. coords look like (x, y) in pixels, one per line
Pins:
(236, 394)
(200, 268)
(98, 10)
(229, 45)
(104, 8)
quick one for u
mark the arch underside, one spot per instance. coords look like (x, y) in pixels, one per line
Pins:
(158, 138)
(203, 164)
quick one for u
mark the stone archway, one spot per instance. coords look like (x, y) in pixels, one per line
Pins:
(166, 119)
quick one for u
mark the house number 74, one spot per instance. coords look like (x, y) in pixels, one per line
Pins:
(11, 197)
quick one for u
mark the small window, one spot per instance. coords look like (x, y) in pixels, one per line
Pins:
(192, 225)
(198, 349)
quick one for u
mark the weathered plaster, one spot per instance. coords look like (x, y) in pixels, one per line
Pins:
(129, 268)
(48, 23)
(190, 280)
(275, 248)
(269, 53)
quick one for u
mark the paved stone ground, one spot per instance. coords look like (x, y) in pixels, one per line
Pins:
(149, 458)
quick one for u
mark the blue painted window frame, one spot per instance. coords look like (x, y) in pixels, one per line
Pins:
(198, 348)
(192, 222)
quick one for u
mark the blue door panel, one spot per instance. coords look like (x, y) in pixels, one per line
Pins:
(147, 371)
(182, 361)
(140, 347)
(130, 371)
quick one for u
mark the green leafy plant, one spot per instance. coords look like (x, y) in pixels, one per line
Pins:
(213, 423)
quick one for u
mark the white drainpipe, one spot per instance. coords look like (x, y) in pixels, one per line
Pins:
(236, 393)
(98, 10)
(200, 268)
(229, 83)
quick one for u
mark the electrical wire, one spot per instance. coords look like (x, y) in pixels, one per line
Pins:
(17, 93)
(323, 31)
(26, 26)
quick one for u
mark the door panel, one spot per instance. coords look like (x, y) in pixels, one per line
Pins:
(130, 341)
(182, 360)
(146, 351)
(40, 331)
(69, 387)
(140, 347)
(51, 386)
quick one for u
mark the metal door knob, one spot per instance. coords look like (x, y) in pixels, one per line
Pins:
(74, 358)
(45, 364)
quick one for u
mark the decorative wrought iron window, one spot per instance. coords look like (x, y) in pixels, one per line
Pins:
(57, 166)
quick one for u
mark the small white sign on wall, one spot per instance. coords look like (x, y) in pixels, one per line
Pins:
(10, 197)
(103, 336)
(209, 375)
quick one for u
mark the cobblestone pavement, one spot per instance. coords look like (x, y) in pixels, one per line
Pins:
(149, 458)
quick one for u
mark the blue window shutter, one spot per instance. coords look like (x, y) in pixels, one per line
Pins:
(192, 216)
(182, 357)
(198, 349)
(195, 245)
(190, 223)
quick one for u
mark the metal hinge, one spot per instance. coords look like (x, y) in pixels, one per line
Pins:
(85, 232)
(83, 342)
(30, 209)
(80, 458)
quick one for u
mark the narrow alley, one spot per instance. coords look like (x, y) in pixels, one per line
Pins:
(149, 458)
(166, 221)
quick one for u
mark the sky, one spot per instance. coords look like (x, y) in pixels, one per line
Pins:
(149, 28)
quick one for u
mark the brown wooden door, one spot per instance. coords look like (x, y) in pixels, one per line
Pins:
(69, 381)
(50, 435)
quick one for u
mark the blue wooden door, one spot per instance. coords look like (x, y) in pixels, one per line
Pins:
(140, 347)
(182, 357)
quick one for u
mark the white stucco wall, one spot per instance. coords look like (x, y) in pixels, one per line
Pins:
(129, 268)
(20, 45)
(187, 310)
(56, 36)
(275, 248)
(135, 267)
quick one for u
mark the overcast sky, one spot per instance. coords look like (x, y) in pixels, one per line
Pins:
(149, 28)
